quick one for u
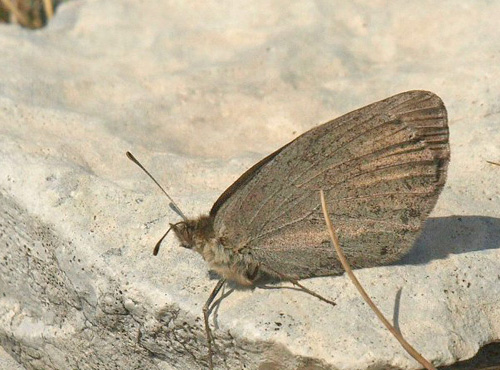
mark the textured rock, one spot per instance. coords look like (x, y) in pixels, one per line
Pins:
(199, 92)
(7, 362)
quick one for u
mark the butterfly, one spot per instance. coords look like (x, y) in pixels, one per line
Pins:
(381, 167)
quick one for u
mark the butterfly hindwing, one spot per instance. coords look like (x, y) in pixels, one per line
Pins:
(381, 167)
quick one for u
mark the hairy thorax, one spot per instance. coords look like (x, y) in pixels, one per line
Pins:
(230, 262)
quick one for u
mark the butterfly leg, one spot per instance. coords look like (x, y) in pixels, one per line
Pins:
(307, 290)
(206, 314)
(296, 283)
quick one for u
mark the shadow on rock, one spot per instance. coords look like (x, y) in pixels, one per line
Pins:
(444, 236)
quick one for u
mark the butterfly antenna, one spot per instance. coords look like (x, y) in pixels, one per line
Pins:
(157, 246)
(172, 204)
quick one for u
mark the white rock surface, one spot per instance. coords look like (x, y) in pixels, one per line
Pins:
(7, 362)
(199, 92)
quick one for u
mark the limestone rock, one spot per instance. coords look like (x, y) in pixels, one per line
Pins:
(200, 92)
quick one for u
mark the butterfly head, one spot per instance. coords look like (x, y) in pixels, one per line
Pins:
(184, 231)
(193, 234)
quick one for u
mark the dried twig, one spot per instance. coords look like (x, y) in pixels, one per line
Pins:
(20, 17)
(417, 356)
(48, 8)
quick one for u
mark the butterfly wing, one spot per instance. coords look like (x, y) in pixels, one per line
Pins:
(381, 167)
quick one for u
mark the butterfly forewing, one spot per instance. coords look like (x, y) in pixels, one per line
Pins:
(381, 167)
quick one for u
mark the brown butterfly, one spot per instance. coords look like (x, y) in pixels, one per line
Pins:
(381, 167)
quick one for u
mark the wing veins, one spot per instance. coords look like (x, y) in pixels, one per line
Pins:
(269, 219)
(340, 124)
(286, 225)
(378, 195)
(263, 204)
(378, 151)
(421, 113)
(314, 164)
(382, 168)
(278, 216)
(357, 218)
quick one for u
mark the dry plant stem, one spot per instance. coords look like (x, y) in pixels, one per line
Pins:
(495, 163)
(20, 17)
(417, 356)
(48, 8)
